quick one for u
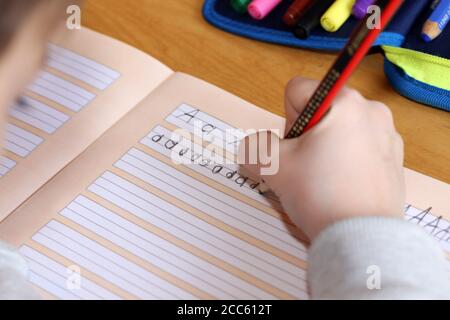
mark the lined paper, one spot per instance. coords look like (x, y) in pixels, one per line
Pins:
(38, 115)
(36, 112)
(152, 229)
(93, 73)
(20, 141)
(206, 127)
(61, 91)
(209, 200)
(159, 252)
(105, 263)
(6, 165)
(144, 205)
(437, 226)
(169, 143)
(216, 276)
(45, 272)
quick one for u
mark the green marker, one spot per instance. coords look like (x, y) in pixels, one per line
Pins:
(240, 5)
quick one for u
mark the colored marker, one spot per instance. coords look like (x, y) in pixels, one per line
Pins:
(360, 8)
(437, 22)
(337, 14)
(292, 16)
(240, 6)
(259, 9)
(310, 18)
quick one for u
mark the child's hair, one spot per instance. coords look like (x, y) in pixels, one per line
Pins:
(12, 15)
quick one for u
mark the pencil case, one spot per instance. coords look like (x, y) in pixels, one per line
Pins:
(416, 69)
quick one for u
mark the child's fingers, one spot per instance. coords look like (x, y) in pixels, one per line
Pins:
(399, 151)
(299, 91)
(297, 94)
(261, 154)
(250, 150)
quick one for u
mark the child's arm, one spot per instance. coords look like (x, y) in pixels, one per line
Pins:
(13, 272)
(342, 183)
(377, 258)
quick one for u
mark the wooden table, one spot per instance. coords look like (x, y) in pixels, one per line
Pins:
(175, 33)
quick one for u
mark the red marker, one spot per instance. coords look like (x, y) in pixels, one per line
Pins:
(295, 11)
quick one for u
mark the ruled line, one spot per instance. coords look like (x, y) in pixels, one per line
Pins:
(52, 271)
(205, 199)
(105, 263)
(204, 163)
(38, 115)
(154, 249)
(82, 68)
(20, 141)
(172, 219)
(206, 127)
(6, 165)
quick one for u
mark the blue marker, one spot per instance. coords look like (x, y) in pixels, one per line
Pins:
(436, 23)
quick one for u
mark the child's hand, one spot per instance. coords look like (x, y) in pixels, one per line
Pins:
(349, 165)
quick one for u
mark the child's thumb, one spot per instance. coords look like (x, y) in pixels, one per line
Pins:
(259, 155)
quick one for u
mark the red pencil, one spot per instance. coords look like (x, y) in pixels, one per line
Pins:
(355, 50)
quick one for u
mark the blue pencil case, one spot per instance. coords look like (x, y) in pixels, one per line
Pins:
(416, 69)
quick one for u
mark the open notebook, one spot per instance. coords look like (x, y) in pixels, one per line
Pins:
(88, 187)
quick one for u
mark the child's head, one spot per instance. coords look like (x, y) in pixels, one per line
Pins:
(25, 27)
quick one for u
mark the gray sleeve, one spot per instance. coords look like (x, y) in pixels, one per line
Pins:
(13, 273)
(377, 258)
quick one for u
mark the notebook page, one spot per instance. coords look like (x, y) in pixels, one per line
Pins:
(137, 225)
(84, 87)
